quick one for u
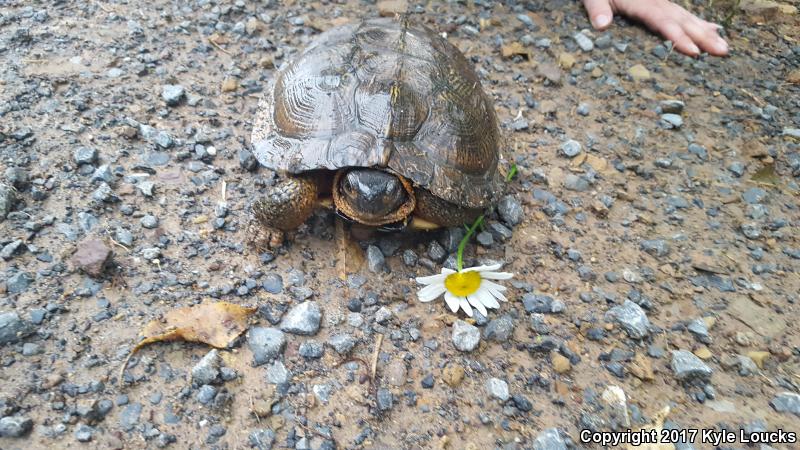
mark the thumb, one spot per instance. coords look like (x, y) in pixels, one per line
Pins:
(599, 12)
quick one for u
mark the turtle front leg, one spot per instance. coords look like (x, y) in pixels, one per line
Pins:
(285, 207)
(432, 212)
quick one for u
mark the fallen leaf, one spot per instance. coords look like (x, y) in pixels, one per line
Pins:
(793, 77)
(229, 85)
(767, 176)
(215, 324)
(657, 424)
(513, 49)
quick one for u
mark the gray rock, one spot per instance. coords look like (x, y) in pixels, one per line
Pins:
(206, 394)
(342, 343)
(15, 426)
(631, 317)
(155, 136)
(129, 417)
(13, 248)
(699, 151)
(146, 188)
(84, 155)
(786, 402)
(436, 252)
(31, 349)
(102, 174)
(247, 161)
(576, 183)
(265, 343)
(656, 247)
(485, 239)
(273, 283)
(751, 230)
(262, 439)
(534, 303)
(302, 319)
(754, 195)
(207, 370)
(670, 121)
(322, 392)
(549, 439)
(277, 373)
(465, 337)
(104, 194)
(18, 282)
(699, 329)
(498, 389)
(747, 366)
(8, 196)
(793, 132)
(672, 106)
(383, 315)
(375, 259)
(583, 42)
(311, 350)
(172, 94)
(385, 399)
(410, 258)
(688, 367)
(499, 329)
(84, 433)
(510, 210)
(737, 168)
(149, 221)
(571, 148)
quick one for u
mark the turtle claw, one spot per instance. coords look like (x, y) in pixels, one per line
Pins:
(263, 238)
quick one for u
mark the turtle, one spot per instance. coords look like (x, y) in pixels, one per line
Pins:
(383, 120)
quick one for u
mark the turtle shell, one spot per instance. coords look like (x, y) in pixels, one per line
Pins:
(386, 94)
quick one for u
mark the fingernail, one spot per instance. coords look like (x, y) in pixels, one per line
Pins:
(694, 49)
(601, 21)
(721, 46)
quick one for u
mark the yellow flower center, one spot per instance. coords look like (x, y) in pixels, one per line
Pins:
(462, 284)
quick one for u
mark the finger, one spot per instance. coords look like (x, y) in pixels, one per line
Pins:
(680, 40)
(706, 37)
(600, 13)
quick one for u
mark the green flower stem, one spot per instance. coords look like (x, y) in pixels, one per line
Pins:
(511, 173)
(463, 243)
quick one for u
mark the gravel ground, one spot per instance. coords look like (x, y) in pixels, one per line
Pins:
(652, 228)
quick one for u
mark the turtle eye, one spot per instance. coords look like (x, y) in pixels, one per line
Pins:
(347, 185)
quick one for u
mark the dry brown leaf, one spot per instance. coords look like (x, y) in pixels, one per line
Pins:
(215, 324)
(515, 48)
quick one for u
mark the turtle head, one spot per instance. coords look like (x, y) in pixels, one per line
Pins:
(372, 197)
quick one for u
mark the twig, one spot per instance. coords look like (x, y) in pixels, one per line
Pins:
(117, 243)
(220, 48)
(374, 366)
(224, 190)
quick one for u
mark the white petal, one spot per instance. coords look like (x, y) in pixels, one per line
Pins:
(447, 271)
(431, 279)
(493, 285)
(451, 300)
(496, 275)
(484, 268)
(495, 293)
(476, 301)
(487, 298)
(431, 292)
(464, 304)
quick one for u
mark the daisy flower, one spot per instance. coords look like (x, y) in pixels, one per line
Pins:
(466, 289)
